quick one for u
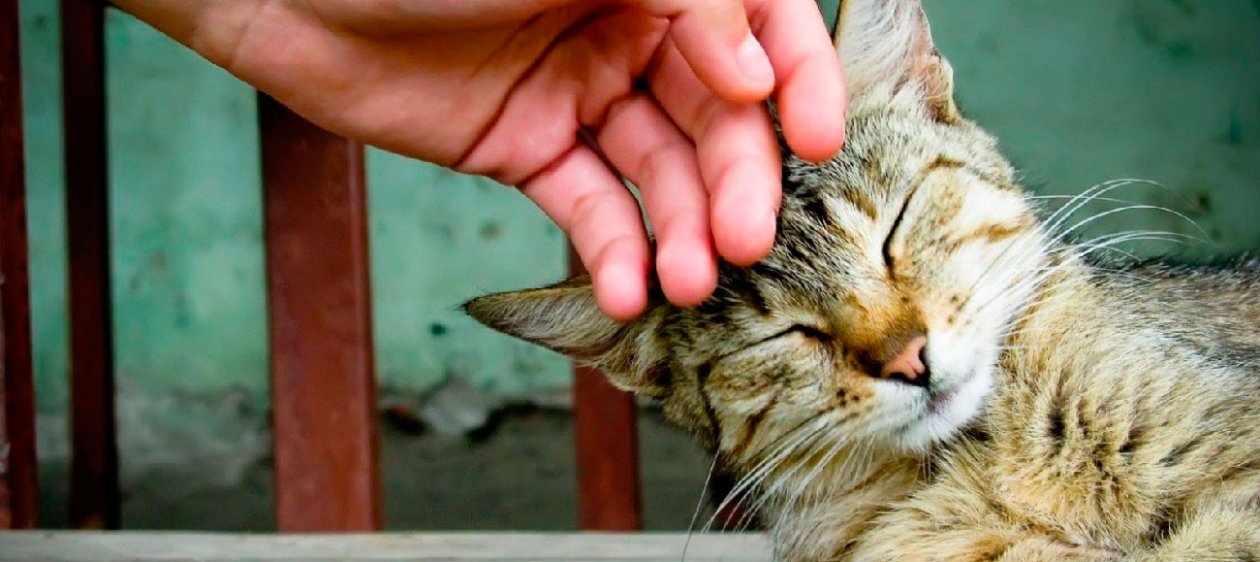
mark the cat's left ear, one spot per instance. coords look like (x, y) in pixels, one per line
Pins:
(565, 318)
(886, 49)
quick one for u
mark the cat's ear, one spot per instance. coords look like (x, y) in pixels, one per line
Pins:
(886, 49)
(565, 318)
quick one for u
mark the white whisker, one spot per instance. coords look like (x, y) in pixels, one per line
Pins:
(695, 516)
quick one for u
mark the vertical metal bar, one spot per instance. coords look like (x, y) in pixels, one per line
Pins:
(19, 477)
(94, 468)
(322, 385)
(607, 434)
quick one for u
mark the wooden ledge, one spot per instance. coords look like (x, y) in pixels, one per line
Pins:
(447, 547)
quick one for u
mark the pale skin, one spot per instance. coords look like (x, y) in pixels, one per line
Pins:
(669, 91)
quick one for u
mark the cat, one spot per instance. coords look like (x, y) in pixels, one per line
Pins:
(925, 368)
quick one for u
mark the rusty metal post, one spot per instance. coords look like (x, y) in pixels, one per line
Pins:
(605, 424)
(19, 477)
(94, 464)
(322, 379)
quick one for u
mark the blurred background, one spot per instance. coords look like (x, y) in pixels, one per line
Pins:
(476, 430)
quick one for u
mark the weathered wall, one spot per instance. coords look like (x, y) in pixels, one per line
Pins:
(188, 265)
(1079, 92)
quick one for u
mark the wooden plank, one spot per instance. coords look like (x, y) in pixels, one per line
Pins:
(446, 547)
(94, 465)
(606, 429)
(19, 485)
(322, 385)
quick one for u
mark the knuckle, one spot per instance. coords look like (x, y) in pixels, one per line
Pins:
(587, 207)
(656, 160)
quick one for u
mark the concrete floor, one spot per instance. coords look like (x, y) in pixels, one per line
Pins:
(519, 476)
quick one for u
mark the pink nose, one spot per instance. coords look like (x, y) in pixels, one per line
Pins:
(910, 364)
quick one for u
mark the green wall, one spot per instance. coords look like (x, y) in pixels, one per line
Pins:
(1079, 92)
(188, 264)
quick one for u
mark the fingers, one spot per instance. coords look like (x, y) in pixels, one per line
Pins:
(787, 48)
(715, 40)
(736, 148)
(602, 219)
(640, 140)
(811, 95)
(737, 155)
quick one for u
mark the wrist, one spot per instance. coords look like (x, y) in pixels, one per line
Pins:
(189, 22)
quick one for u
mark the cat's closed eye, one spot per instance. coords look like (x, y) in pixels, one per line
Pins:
(892, 232)
(810, 332)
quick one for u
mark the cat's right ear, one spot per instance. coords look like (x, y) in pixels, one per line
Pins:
(565, 318)
(886, 50)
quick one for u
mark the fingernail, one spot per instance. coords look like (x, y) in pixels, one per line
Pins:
(753, 62)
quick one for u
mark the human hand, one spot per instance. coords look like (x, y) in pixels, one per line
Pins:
(668, 89)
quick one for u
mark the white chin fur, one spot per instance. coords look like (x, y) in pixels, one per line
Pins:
(952, 414)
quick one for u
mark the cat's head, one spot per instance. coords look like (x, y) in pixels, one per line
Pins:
(880, 311)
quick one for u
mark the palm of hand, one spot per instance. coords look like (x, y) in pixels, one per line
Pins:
(509, 99)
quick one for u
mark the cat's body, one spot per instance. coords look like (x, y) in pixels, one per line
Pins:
(923, 369)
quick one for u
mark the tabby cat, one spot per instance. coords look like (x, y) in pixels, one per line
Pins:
(925, 369)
